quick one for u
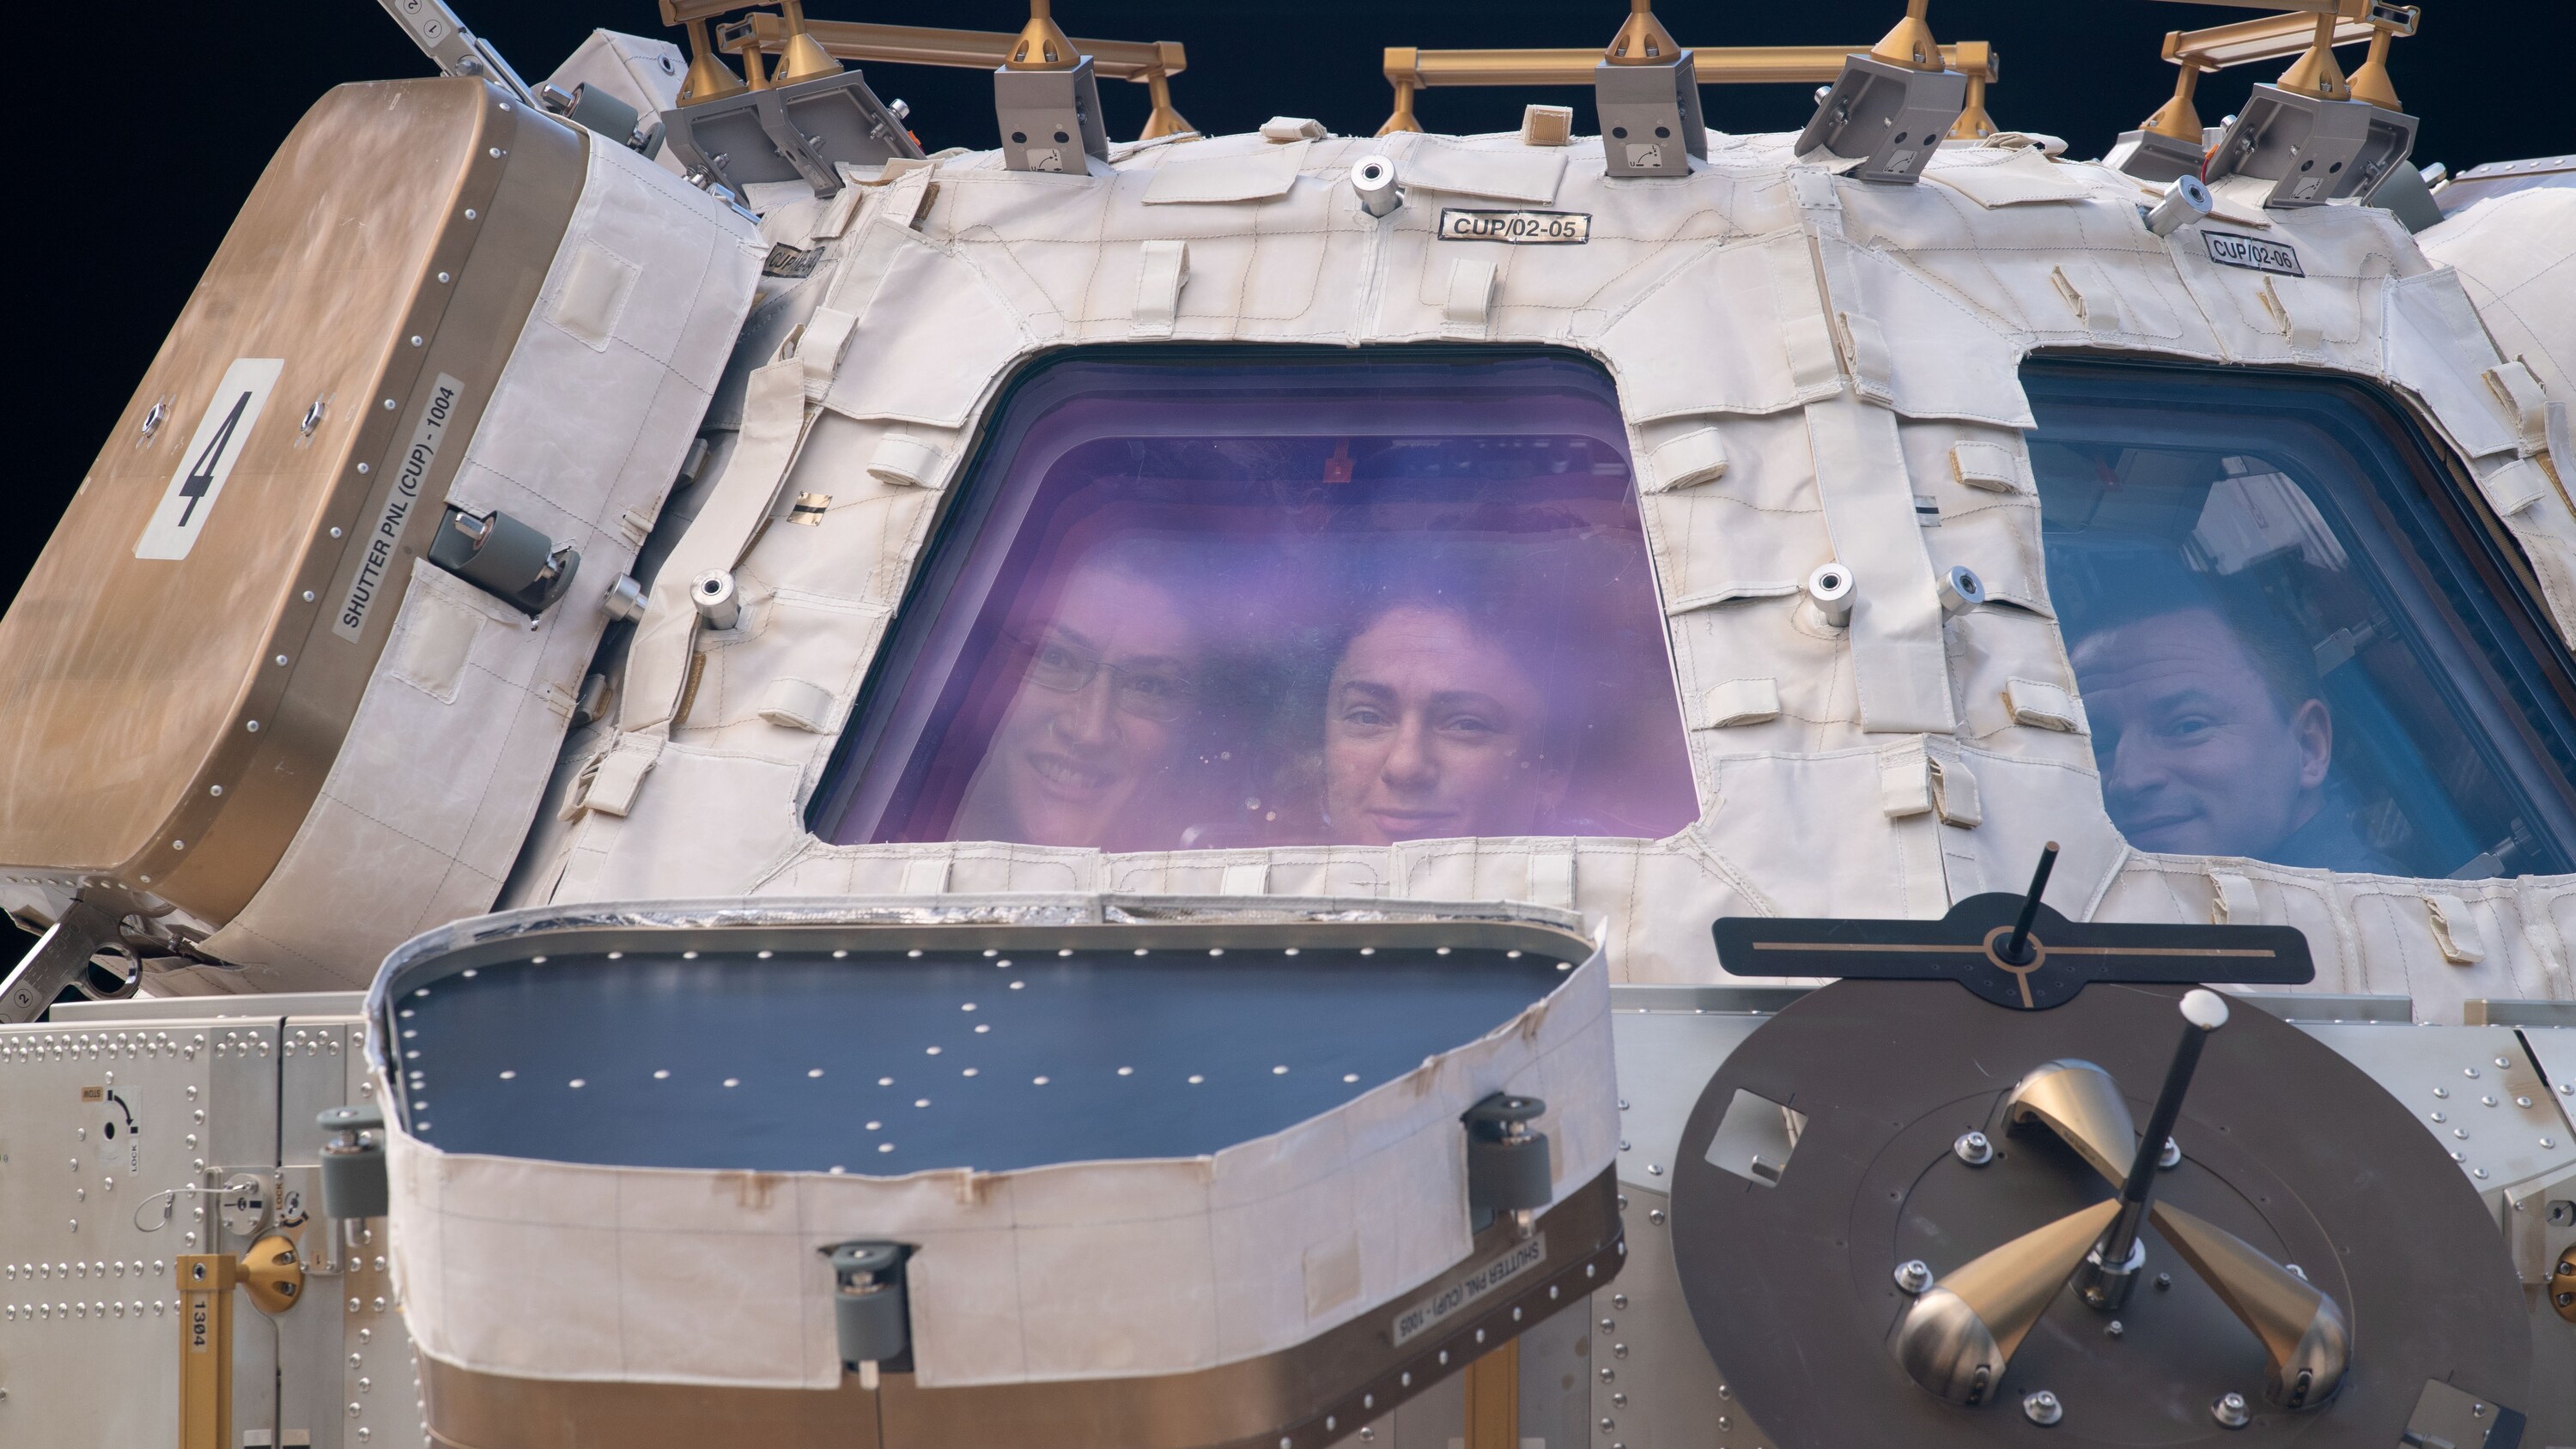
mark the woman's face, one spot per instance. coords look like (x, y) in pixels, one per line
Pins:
(1432, 731)
(1105, 688)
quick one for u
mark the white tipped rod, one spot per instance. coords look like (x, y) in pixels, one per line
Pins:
(2204, 1008)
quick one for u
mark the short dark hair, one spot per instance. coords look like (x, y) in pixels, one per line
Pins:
(2286, 662)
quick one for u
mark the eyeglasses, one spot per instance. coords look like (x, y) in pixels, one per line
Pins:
(1153, 692)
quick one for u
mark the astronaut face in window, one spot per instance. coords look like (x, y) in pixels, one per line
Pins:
(2204, 750)
(1433, 730)
(1105, 690)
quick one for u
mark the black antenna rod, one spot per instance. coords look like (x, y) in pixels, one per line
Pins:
(2016, 949)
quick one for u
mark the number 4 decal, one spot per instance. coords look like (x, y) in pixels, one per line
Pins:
(208, 460)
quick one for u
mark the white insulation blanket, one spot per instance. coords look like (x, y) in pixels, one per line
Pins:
(1074, 1271)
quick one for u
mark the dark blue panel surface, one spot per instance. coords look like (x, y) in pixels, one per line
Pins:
(885, 1064)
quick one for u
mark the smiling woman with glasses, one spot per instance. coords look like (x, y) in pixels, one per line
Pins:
(1097, 714)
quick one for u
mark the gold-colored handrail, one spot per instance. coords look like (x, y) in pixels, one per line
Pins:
(1409, 69)
(1149, 63)
(2273, 37)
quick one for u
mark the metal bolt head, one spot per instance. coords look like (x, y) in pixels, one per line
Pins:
(2041, 1407)
(1914, 1275)
(2171, 1157)
(2230, 1411)
(1974, 1149)
(2114, 1329)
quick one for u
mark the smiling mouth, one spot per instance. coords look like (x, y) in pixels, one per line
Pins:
(1397, 824)
(1068, 776)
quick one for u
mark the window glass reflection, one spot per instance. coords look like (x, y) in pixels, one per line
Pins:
(2293, 642)
(1214, 603)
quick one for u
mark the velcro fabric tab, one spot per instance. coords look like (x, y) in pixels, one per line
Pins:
(925, 877)
(1245, 878)
(615, 778)
(2455, 931)
(797, 704)
(905, 462)
(1283, 129)
(2232, 900)
(1696, 457)
(1743, 702)
(2045, 706)
(2526, 406)
(1954, 795)
(1904, 780)
(2515, 486)
(1990, 466)
(1471, 296)
(826, 335)
(1162, 270)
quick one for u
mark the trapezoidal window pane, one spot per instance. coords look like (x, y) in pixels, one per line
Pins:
(1214, 598)
(2296, 637)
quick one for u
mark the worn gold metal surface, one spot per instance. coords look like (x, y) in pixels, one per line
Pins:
(2081, 1104)
(1910, 43)
(206, 1351)
(165, 724)
(1149, 63)
(802, 59)
(1494, 1399)
(2562, 1283)
(2244, 42)
(707, 80)
(1642, 40)
(272, 1274)
(1252, 1404)
(1410, 69)
(2302, 1330)
(1958, 1336)
(1041, 46)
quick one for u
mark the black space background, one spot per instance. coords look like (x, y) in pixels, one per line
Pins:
(145, 165)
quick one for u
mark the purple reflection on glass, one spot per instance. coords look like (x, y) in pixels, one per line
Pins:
(1242, 606)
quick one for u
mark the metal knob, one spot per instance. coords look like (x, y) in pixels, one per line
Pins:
(1374, 179)
(1829, 588)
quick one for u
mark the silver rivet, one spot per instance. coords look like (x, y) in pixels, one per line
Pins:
(2041, 1407)
(1913, 1275)
(2230, 1411)
(1974, 1149)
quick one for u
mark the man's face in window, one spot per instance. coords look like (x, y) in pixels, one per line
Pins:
(1104, 689)
(2197, 756)
(1432, 730)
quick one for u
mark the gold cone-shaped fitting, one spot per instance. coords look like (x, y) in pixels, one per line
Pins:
(1642, 39)
(1042, 45)
(803, 57)
(2371, 83)
(708, 78)
(1910, 44)
(2315, 72)
(2178, 117)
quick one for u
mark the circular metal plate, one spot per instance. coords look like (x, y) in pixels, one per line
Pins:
(2285, 1144)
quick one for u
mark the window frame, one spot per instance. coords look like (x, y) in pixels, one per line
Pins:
(965, 509)
(2436, 496)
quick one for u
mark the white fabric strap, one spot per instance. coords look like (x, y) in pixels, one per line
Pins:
(1686, 461)
(2232, 900)
(1470, 299)
(1742, 702)
(1245, 878)
(2455, 931)
(2526, 406)
(925, 877)
(1904, 780)
(2045, 706)
(906, 462)
(798, 704)
(1162, 270)
(609, 783)
(1990, 466)
(1954, 795)
(1899, 666)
